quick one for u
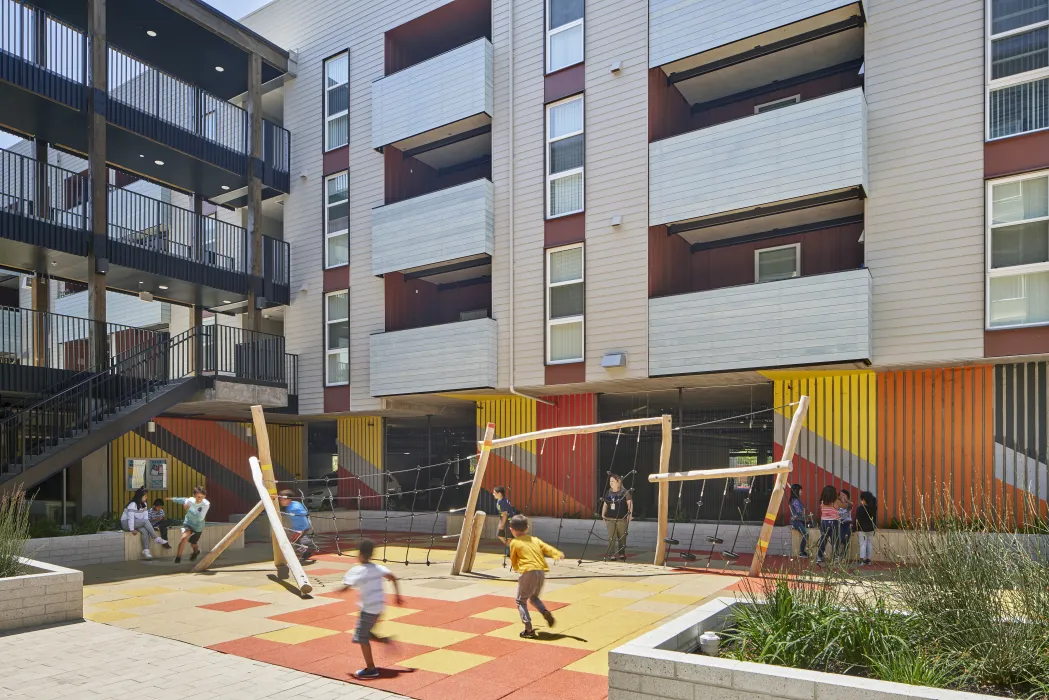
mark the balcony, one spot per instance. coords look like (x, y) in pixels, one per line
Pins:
(448, 357)
(790, 154)
(447, 225)
(446, 98)
(152, 246)
(159, 126)
(822, 319)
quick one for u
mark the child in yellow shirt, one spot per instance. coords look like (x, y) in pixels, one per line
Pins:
(528, 557)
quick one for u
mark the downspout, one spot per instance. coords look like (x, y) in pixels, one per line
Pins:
(513, 170)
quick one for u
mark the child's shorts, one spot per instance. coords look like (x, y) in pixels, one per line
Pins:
(195, 537)
(365, 623)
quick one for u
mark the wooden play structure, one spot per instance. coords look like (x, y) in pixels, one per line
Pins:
(262, 474)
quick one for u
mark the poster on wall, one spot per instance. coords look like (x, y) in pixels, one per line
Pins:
(151, 473)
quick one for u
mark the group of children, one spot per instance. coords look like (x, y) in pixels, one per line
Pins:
(138, 517)
(837, 522)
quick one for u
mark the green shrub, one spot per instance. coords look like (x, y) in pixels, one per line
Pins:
(14, 531)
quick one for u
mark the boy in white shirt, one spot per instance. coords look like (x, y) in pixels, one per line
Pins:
(367, 578)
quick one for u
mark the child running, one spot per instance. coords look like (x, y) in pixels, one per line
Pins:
(528, 557)
(299, 528)
(866, 517)
(830, 519)
(367, 578)
(506, 511)
(194, 522)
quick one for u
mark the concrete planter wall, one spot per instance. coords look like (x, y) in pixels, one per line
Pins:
(46, 595)
(659, 665)
(78, 551)
(214, 532)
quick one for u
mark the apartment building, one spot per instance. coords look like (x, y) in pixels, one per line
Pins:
(554, 212)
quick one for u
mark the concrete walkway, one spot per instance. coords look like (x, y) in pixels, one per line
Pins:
(89, 661)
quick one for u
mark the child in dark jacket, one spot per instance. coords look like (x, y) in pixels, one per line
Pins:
(799, 533)
(866, 517)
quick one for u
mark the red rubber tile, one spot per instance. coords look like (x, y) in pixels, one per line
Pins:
(475, 625)
(490, 646)
(233, 605)
(393, 679)
(564, 685)
(450, 612)
(251, 648)
(339, 623)
(320, 612)
(505, 675)
(318, 571)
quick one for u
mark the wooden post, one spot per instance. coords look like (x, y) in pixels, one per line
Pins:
(466, 536)
(663, 512)
(262, 474)
(789, 446)
(97, 195)
(475, 540)
(253, 318)
(229, 539)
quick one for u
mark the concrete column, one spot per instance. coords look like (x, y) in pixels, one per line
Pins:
(98, 180)
(93, 486)
(253, 320)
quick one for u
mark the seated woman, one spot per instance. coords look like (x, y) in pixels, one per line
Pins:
(136, 518)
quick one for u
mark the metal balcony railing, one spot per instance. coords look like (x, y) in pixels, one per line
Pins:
(243, 354)
(37, 49)
(42, 192)
(291, 373)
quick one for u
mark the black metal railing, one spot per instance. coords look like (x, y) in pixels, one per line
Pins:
(291, 373)
(276, 268)
(42, 192)
(163, 228)
(242, 354)
(42, 53)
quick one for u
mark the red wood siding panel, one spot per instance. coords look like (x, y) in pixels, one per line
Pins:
(572, 373)
(564, 83)
(564, 230)
(418, 303)
(1016, 341)
(336, 399)
(1019, 154)
(669, 270)
(668, 110)
(448, 27)
(409, 177)
(337, 160)
(568, 463)
(830, 250)
(336, 279)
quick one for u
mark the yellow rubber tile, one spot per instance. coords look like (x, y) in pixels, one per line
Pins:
(596, 663)
(394, 613)
(127, 603)
(649, 587)
(148, 591)
(217, 589)
(652, 606)
(107, 616)
(415, 634)
(206, 637)
(499, 615)
(445, 661)
(582, 591)
(296, 635)
(675, 598)
(558, 636)
(626, 593)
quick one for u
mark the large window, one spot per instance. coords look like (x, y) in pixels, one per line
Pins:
(1017, 67)
(565, 304)
(565, 154)
(337, 101)
(337, 220)
(337, 339)
(1018, 251)
(564, 33)
(778, 263)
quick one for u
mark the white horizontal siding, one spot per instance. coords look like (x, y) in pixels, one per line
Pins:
(452, 86)
(806, 320)
(436, 358)
(123, 309)
(680, 28)
(812, 147)
(445, 225)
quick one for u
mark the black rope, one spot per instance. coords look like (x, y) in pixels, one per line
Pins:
(714, 541)
(742, 415)
(688, 555)
(436, 515)
(564, 494)
(731, 554)
(612, 465)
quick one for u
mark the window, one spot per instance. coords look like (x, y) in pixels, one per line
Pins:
(779, 263)
(337, 102)
(1017, 67)
(564, 34)
(565, 304)
(564, 157)
(337, 339)
(337, 220)
(777, 104)
(1018, 251)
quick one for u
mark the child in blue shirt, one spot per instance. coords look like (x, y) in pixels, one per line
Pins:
(506, 511)
(299, 528)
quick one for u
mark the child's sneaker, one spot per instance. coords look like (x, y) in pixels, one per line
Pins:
(803, 556)
(549, 617)
(192, 557)
(366, 673)
(146, 554)
(178, 560)
(528, 633)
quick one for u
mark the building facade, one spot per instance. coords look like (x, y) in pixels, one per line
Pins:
(554, 212)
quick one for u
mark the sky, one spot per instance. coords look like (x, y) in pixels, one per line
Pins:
(234, 8)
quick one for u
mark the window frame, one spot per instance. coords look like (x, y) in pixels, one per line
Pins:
(1013, 270)
(793, 100)
(581, 318)
(344, 55)
(991, 85)
(548, 177)
(328, 351)
(550, 31)
(328, 235)
(797, 262)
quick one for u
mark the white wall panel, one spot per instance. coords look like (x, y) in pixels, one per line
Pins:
(448, 357)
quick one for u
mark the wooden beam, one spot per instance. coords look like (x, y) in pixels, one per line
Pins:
(789, 446)
(663, 510)
(475, 541)
(696, 474)
(253, 103)
(576, 430)
(466, 536)
(230, 30)
(229, 539)
(97, 182)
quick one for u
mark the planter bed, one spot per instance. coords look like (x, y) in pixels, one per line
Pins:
(111, 547)
(47, 594)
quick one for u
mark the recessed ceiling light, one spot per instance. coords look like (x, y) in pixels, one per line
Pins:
(54, 263)
(141, 155)
(150, 32)
(159, 162)
(225, 187)
(219, 68)
(226, 301)
(162, 286)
